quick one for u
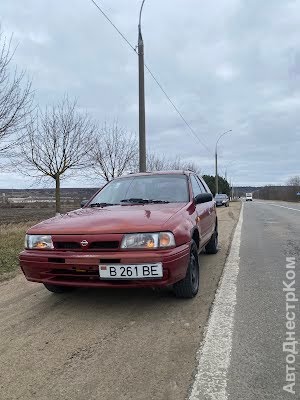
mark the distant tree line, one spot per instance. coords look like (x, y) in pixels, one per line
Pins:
(60, 140)
(284, 193)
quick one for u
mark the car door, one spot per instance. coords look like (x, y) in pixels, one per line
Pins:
(210, 205)
(202, 210)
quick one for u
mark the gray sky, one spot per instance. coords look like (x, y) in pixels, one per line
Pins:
(227, 64)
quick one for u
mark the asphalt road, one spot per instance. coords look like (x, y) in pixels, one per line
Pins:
(105, 344)
(270, 233)
(242, 355)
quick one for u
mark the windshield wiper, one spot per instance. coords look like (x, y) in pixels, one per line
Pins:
(143, 201)
(135, 200)
(159, 201)
(102, 204)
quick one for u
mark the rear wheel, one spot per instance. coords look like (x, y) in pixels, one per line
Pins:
(212, 245)
(58, 288)
(188, 287)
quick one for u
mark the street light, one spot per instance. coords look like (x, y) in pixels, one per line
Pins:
(142, 128)
(216, 161)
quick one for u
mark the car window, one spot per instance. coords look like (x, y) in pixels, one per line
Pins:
(201, 185)
(171, 188)
(195, 186)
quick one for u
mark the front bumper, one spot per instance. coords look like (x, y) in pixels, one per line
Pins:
(82, 269)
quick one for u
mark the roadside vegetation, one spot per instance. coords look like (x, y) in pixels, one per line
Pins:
(11, 243)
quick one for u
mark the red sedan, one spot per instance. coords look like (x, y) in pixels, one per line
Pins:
(141, 230)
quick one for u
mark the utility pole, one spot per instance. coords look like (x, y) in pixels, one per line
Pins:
(216, 162)
(142, 124)
(216, 173)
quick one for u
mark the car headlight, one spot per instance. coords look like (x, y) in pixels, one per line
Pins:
(160, 240)
(38, 242)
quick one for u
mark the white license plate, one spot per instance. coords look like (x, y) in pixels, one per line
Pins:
(130, 271)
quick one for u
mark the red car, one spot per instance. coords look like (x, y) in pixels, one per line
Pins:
(141, 230)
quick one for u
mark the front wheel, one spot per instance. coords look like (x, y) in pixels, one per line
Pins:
(188, 287)
(212, 245)
(58, 288)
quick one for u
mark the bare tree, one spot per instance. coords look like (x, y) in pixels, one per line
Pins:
(58, 141)
(114, 152)
(15, 98)
(192, 166)
(294, 181)
(157, 162)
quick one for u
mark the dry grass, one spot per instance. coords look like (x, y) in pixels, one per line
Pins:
(11, 243)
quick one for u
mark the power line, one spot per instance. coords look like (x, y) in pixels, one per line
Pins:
(153, 76)
(176, 109)
(115, 27)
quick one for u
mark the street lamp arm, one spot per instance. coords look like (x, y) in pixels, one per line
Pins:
(230, 130)
(140, 18)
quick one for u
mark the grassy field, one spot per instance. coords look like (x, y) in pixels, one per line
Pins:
(11, 243)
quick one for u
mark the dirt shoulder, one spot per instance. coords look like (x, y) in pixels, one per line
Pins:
(105, 344)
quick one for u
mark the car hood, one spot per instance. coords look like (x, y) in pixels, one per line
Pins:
(114, 219)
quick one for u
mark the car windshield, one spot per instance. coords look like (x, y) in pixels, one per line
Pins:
(221, 196)
(144, 189)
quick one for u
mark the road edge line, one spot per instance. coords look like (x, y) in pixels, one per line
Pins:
(213, 357)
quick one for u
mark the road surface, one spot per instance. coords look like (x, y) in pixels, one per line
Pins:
(105, 344)
(242, 357)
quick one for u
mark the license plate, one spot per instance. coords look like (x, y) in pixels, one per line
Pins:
(130, 271)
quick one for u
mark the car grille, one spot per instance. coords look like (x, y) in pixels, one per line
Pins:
(104, 245)
(66, 245)
(100, 246)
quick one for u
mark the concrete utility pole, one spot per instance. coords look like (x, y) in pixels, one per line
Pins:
(216, 162)
(142, 124)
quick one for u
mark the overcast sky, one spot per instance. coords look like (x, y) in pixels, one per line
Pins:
(226, 64)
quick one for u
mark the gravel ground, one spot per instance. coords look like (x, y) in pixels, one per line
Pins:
(105, 344)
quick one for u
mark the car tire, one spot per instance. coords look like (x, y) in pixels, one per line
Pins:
(212, 245)
(58, 288)
(188, 287)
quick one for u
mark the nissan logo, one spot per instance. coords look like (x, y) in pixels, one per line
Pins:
(84, 243)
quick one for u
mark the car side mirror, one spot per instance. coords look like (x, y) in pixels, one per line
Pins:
(203, 198)
(83, 203)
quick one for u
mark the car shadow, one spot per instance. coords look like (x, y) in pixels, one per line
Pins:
(107, 298)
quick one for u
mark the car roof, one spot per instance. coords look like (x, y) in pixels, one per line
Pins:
(168, 172)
